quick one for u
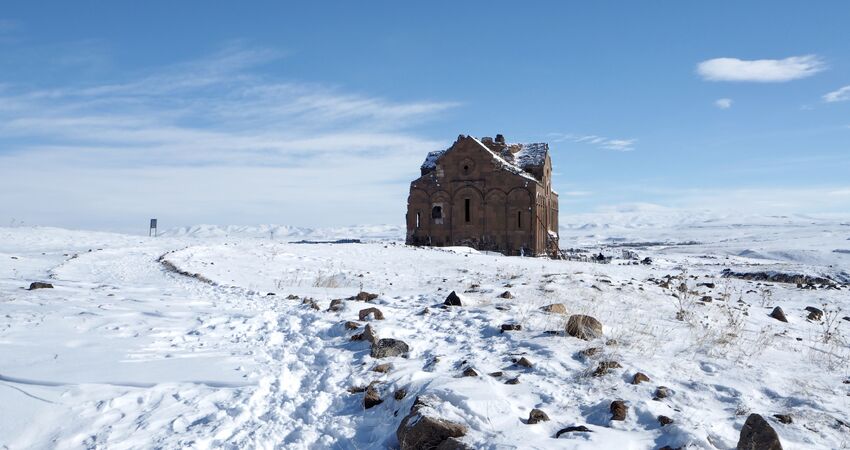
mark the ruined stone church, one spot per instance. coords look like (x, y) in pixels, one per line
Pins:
(486, 194)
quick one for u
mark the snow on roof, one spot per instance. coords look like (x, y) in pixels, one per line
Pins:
(431, 159)
(528, 156)
(531, 155)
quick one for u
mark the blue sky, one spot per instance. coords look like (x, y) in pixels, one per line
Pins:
(320, 114)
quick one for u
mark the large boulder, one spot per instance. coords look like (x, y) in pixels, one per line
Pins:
(421, 431)
(619, 410)
(368, 335)
(385, 348)
(584, 327)
(757, 434)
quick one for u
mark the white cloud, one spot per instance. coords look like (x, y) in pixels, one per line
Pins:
(212, 140)
(620, 145)
(840, 95)
(723, 103)
(761, 70)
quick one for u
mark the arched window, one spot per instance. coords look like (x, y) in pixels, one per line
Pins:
(437, 212)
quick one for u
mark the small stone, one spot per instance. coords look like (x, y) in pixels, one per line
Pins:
(604, 367)
(452, 300)
(537, 416)
(706, 299)
(511, 327)
(783, 418)
(513, 381)
(382, 368)
(524, 362)
(584, 327)
(664, 420)
(757, 434)
(336, 305)
(639, 378)
(349, 325)
(589, 352)
(374, 312)
(368, 335)
(506, 294)
(40, 285)
(495, 374)
(470, 372)
(364, 297)
(619, 410)
(778, 314)
(555, 308)
(372, 397)
(662, 392)
(400, 394)
(292, 297)
(425, 312)
(573, 429)
(385, 348)
(815, 314)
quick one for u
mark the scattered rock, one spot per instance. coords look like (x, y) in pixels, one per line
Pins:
(604, 366)
(511, 327)
(589, 352)
(814, 313)
(524, 362)
(372, 397)
(385, 348)
(619, 410)
(382, 368)
(778, 314)
(706, 299)
(584, 327)
(292, 297)
(368, 334)
(664, 420)
(757, 434)
(469, 372)
(783, 418)
(639, 378)
(40, 285)
(513, 381)
(573, 429)
(708, 285)
(400, 394)
(419, 431)
(349, 325)
(537, 416)
(374, 312)
(452, 300)
(336, 305)
(661, 392)
(363, 296)
(312, 303)
(506, 294)
(495, 374)
(425, 312)
(555, 308)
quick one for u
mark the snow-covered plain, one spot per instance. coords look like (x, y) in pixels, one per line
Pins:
(125, 352)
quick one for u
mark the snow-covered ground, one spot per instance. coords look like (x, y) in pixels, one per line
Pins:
(131, 351)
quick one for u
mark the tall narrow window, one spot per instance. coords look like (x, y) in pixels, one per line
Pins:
(418, 216)
(466, 209)
(519, 219)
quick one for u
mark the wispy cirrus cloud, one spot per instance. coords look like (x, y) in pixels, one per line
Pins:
(760, 70)
(602, 142)
(165, 141)
(838, 95)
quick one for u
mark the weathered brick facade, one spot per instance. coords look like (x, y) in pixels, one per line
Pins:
(488, 195)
